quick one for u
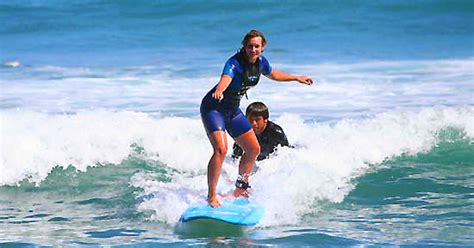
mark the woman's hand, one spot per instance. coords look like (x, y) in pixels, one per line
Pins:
(218, 95)
(221, 87)
(304, 80)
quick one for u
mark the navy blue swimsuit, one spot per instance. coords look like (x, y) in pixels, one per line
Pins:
(226, 115)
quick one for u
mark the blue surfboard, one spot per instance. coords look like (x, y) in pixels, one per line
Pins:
(238, 211)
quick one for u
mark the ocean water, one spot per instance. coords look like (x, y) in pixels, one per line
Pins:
(102, 143)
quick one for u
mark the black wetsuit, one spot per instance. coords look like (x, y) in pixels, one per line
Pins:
(269, 139)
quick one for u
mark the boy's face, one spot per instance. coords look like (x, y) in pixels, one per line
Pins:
(258, 123)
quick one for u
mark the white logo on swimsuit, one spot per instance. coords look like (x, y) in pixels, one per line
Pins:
(253, 78)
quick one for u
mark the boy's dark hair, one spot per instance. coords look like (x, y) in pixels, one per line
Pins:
(257, 109)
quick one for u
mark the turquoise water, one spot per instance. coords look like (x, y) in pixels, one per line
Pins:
(102, 143)
(146, 32)
(422, 199)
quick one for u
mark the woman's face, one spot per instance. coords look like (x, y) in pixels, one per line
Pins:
(254, 48)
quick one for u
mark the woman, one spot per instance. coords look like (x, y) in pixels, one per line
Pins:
(220, 111)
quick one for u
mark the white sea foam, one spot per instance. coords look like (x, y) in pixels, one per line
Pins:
(362, 89)
(331, 155)
(356, 115)
(340, 91)
(33, 143)
(326, 158)
(12, 63)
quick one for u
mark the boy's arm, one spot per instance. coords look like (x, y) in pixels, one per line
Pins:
(237, 151)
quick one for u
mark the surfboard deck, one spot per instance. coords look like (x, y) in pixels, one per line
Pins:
(238, 211)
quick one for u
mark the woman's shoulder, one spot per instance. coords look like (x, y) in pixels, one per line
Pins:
(263, 59)
(234, 62)
(235, 58)
(265, 66)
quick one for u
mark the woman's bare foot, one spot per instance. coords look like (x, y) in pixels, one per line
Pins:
(228, 195)
(213, 201)
(238, 192)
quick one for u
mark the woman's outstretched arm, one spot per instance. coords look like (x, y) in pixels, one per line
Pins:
(278, 75)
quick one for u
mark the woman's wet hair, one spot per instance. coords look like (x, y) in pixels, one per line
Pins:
(252, 34)
(256, 109)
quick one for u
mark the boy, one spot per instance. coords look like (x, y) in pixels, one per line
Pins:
(269, 134)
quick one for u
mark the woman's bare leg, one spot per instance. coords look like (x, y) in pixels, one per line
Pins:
(219, 144)
(249, 143)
